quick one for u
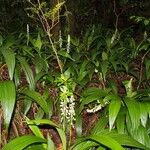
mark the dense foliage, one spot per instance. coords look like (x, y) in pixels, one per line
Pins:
(75, 75)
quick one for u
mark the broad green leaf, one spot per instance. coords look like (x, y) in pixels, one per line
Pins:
(42, 122)
(129, 88)
(62, 137)
(10, 60)
(36, 146)
(134, 112)
(141, 135)
(22, 142)
(27, 102)
(126, 140)
(143, 113)
(120, 121)
(78, 124)
(65, 54)
(28, 72)
(17, 75)
(114, 108)
(83, 145)
(83, 71)
(40, 114)
(7, 99)
(95, 91)
(39, 75)
(37, 98)
(106, 141)
(34, 128)
(50, 144)
(104, 68)
(48, 122)
(100, 125)
(92, 94)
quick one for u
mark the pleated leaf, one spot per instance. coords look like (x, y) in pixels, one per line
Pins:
(48, 122)
(28, 72)
(38, 99)
(107, 141)
(91, 95)
(22, 142)
(34, 128)
(134, 112)
(143, 113)
(126, 140)
(114, 108)
(10, 61)
(84, 145)
(100, 125)
(120, 121)
(7, 99)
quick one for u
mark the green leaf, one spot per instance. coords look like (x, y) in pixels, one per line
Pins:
(10, 60)
(37, 98)
(146, 22)
(78, 124)
(104, 68)
(50, 144)
(114, 108)
(100, 125)
(34, 128)
(129, 88)
(42, 122)
(62, 137)
(104, 56)
(120, 121)
(48, 122)
(38, 42)
(147, 67)
(1, 40)
(126, 140)
(7, 99)
(83, 145)
(28, 72)
(92, 94)
(83, 71)
(143, 113)
(106, 141)
(65, 54)
(35, 146)
(21, 142)
(27, 102)
(134, 112)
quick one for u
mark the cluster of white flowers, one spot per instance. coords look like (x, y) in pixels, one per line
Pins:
(96, 108)
(68, 110)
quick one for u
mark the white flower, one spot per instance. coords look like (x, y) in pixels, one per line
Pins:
(68, 44)
(60, 39)
(95, 109)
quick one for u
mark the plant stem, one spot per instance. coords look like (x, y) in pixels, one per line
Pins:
(141, 69)
(47, 29)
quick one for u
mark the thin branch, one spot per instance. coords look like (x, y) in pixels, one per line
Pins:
(141, 69)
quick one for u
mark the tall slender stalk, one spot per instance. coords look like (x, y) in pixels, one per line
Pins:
(47, 27)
